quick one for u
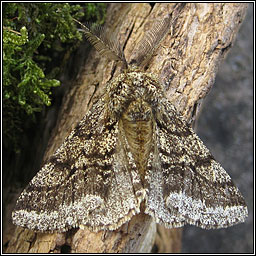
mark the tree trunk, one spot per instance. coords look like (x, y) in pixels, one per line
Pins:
(186, 62)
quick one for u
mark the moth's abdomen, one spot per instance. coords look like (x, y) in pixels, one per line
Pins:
(137, 124)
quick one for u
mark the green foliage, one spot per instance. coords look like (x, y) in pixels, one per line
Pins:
(95, 12)
(32, 33)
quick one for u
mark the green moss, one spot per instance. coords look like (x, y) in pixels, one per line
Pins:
(32, 33)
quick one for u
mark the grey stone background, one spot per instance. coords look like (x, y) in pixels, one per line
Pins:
(226, 126)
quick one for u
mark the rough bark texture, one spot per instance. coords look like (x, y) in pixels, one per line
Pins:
(187, 62)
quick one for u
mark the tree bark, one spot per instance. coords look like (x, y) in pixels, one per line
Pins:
(186, 62)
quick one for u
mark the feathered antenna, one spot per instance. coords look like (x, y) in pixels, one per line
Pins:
(105, 45)
(153, 37)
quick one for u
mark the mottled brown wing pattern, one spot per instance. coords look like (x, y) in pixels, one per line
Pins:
(84, 183)
(194, 185)
(154, 182)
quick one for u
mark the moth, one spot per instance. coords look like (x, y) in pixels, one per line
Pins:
(132, 148)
